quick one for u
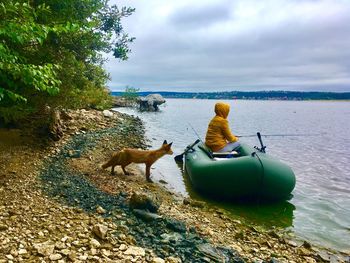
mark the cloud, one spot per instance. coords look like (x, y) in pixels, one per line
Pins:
(241, 45)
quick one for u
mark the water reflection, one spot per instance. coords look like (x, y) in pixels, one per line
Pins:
(320, 208)
(279, 214)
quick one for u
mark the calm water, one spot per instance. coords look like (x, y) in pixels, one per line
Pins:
(320, 208)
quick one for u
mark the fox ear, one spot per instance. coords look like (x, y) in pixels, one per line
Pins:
(165, 142)
(170, 144)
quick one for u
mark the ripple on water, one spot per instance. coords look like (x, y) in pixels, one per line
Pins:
(321, 205)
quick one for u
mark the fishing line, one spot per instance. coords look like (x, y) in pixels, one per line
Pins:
(282, 135)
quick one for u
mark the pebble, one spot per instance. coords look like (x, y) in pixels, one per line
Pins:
(135, 251)
(55, 257)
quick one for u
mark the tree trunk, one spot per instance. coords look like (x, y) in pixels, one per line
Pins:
(55, 127)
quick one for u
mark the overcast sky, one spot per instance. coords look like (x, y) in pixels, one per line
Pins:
(222, 45)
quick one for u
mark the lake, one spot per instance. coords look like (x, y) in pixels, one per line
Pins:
(320, 208)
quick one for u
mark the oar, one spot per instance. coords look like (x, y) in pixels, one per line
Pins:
(179, 158)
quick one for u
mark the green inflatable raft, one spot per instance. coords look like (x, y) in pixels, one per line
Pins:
(248, 174)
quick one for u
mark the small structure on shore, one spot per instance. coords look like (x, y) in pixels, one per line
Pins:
(151, 102)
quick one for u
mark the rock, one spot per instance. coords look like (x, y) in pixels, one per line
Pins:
(304, 251)
(65, 251)
(307, 245)
(194, 203)
(74, 154)
(176, 225)
(146, 216)
(158, 260)
(274, 260)
(100, 231)
(324, 256)
(72, 256)
(83, 257)
(144, 201)
(163, 182)
(3, 227)
(100, 210)
(10, 257)
(135, 251)
(210, 252)
(94, 243)
(123, 247)
(272, 233)
(121, 102)
(22, 251)
(174, 237)
(173, 260)
(107, 113)
(151, 102)
(44, 249)
(55, 257)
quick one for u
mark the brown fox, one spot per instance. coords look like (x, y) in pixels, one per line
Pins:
(128, 156)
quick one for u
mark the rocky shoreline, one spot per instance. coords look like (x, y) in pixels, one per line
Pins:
(58, 205)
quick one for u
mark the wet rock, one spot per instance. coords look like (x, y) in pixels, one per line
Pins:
(194, 203)
(100, 231)
(176, 225)
(322, 255)
(210, 252)
(146, 216)
(74, 154)
(173, 260)
(173, 238)
(135, 251)
(151, 102)
(144, 201)
(307, 245)
(100, 210)
(274, 260)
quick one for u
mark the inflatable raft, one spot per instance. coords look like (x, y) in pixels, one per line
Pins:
(247, 174)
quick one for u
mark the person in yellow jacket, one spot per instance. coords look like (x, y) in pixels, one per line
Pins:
(219, 137)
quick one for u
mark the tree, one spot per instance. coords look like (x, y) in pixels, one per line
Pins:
(130, 94)
(51, 54)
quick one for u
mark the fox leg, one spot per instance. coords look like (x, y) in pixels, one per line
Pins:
(123, 167)
(112, 170)
(148, 173)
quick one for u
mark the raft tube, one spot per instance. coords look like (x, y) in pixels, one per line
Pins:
(249, 175)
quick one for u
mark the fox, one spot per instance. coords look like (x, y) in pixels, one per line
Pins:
(128, 156)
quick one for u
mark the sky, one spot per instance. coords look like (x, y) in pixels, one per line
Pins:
(244, 45)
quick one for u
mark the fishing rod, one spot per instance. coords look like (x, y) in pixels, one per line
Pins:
(195, 132)
(281, 135)
(179, 158)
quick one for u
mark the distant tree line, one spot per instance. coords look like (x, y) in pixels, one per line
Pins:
(257, 95)
(51, 54)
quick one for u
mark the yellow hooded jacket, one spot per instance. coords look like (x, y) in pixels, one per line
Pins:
(219, 133)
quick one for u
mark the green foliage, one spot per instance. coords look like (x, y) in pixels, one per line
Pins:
(51, 54)
(131, 94)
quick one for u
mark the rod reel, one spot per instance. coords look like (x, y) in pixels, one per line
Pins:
(262, 146)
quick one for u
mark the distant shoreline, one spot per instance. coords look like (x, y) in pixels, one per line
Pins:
(251, 95)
